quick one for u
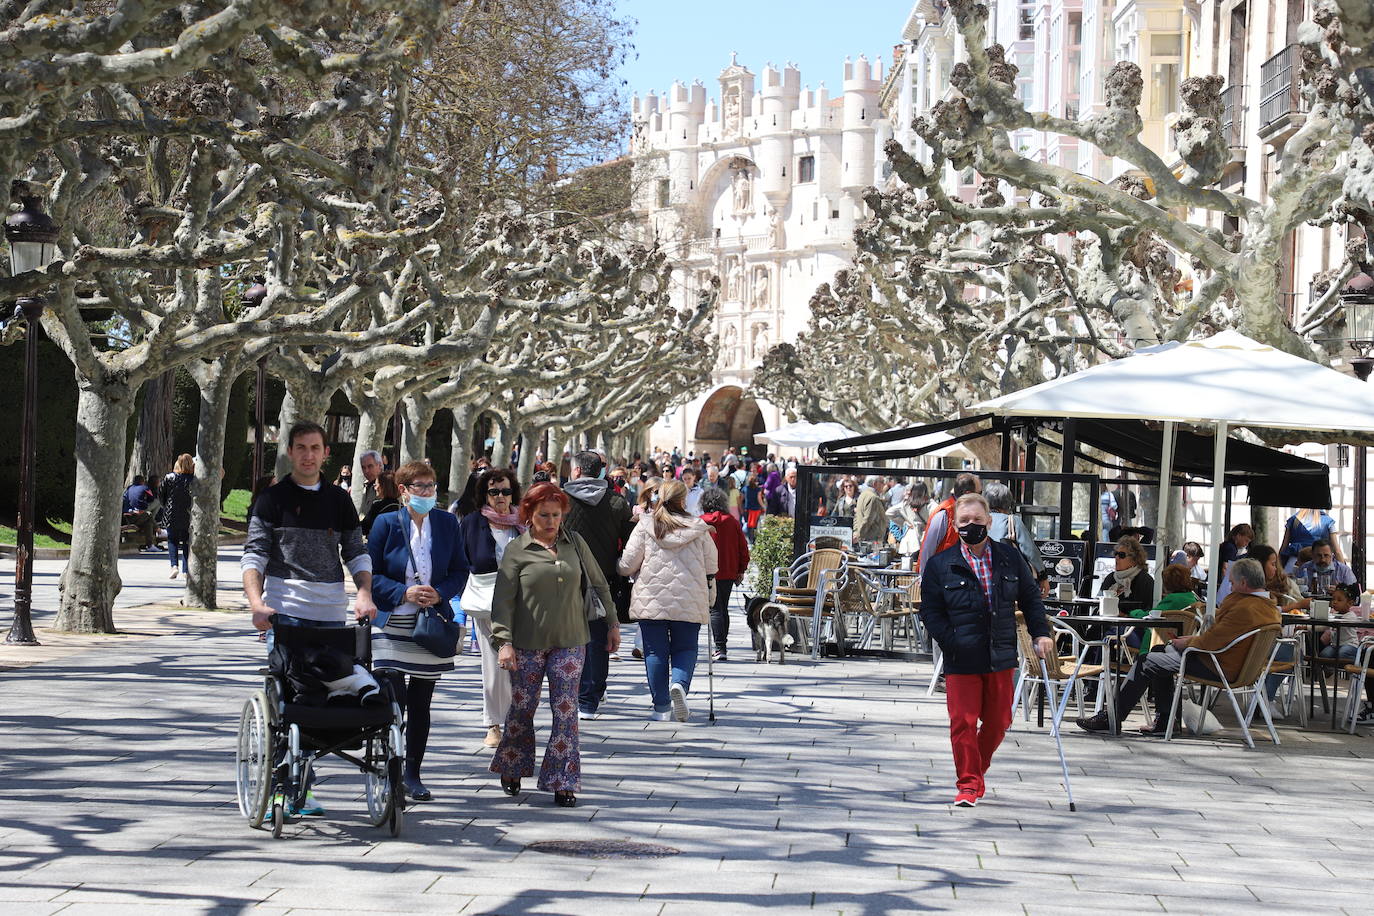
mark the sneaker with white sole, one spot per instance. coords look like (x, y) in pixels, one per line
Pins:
(965, 800)
(678, 694)
(588, 713)
(663, 716)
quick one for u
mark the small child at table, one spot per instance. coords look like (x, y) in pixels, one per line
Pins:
(1343, 642)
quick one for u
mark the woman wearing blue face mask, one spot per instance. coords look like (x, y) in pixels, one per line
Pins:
(418, 561)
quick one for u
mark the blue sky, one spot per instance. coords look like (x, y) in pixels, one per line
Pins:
(693, 39)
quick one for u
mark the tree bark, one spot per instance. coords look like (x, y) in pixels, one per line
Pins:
(505, 440)
(529, 444)
(216, 381)
(153, 449)
(91, 580)
(558, 439)
(460, 455)
(418, 419)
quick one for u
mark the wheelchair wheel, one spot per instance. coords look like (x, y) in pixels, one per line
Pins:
(278, 820)
(378, 782)
(253, 759)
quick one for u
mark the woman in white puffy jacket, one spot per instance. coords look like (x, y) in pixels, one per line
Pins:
(672, 558)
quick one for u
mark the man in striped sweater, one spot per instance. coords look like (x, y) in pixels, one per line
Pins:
(300, 537)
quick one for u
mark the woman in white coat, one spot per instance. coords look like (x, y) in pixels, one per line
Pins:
(673, 558)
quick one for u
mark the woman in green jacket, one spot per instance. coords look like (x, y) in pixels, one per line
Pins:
(539, 630)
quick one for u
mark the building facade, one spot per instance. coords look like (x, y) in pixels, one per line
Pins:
(760, 187)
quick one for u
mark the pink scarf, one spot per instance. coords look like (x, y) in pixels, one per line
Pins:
(507, 520)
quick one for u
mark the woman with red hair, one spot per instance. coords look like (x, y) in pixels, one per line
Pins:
(539, 630)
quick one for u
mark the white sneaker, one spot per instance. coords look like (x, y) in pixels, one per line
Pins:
(679, 697)
(175, 571)
(664, 716)
(584, 714)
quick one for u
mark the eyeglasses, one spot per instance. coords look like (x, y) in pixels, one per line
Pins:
(504, 491)
(422, 487)
(1122, 555)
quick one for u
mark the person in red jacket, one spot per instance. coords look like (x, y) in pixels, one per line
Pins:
(733, 553)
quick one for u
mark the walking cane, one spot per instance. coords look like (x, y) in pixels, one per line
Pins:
(1054, 730)
(710, 672)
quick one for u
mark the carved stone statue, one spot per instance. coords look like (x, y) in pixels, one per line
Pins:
(776, 229)
(732, 113)
(761, 300)
(743, 189)
(730, 345)
(733, 279)
(758, 340)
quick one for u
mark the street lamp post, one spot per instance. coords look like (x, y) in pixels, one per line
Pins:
(32, 238)
(1358, 301)
(252, 298)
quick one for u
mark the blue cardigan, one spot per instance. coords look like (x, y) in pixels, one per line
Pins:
(391, 560)
(479, 543)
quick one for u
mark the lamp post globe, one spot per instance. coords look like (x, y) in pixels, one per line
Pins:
(32, 238)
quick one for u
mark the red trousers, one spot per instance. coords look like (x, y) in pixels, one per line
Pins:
(969, 698)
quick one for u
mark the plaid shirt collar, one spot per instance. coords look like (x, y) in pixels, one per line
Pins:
(982, 568)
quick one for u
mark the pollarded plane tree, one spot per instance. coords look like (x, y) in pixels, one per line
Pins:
(1235, 278)
(193, 125)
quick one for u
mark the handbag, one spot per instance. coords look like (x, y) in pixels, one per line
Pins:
(477, 594)
(435, 631)
(591, 601)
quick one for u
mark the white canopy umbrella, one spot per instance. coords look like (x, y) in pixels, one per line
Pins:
(803, 435)
(1222, 381)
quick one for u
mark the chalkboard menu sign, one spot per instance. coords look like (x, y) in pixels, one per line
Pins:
(1062, 562)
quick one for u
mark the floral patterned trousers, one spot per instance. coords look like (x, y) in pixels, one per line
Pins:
(562, 767)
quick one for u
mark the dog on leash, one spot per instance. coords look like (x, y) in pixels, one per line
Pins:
(768, 623)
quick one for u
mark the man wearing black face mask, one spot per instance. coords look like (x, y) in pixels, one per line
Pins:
(969, 597)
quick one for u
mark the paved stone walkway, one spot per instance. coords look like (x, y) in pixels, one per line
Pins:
(820, 788)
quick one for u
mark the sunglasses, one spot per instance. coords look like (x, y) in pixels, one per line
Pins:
(503, 491)
(1120, 555)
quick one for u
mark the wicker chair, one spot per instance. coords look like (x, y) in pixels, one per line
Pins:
(1258, 658)
(1066, 671)
(813, 586)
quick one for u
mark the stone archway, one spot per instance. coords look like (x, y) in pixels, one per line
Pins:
(728, 418)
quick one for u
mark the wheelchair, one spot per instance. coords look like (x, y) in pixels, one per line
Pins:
(279, 740)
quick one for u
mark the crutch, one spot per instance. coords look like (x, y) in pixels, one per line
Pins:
(1056, 714)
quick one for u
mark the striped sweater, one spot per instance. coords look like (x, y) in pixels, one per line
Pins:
(300, 539)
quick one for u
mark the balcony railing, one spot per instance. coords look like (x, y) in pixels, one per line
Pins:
(1233, 115)
(1279, 90)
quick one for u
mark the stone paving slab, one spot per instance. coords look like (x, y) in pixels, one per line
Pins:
(821, 788)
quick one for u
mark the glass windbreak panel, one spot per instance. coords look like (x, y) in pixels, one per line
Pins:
(882, 517)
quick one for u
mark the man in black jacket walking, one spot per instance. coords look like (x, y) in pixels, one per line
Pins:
(969, 597)
(603, 519)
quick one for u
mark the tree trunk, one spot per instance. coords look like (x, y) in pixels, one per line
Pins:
(216, 381)
(153, 448)
(373, 417)
(91, 580)
(460, 456)
(505, 440)
(418, 420)
(558, 438)
(529, 444)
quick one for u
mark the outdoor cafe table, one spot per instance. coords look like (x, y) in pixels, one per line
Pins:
(891, 574)
(1119, 623)
(1312, 624)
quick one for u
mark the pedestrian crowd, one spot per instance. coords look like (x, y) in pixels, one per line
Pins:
(545, 573)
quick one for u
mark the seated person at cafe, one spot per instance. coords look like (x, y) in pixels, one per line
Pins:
(138, 500)
(1178, 594)
(1246, 608)
(1342, 642)
(1323, 565)
(1130, 582)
